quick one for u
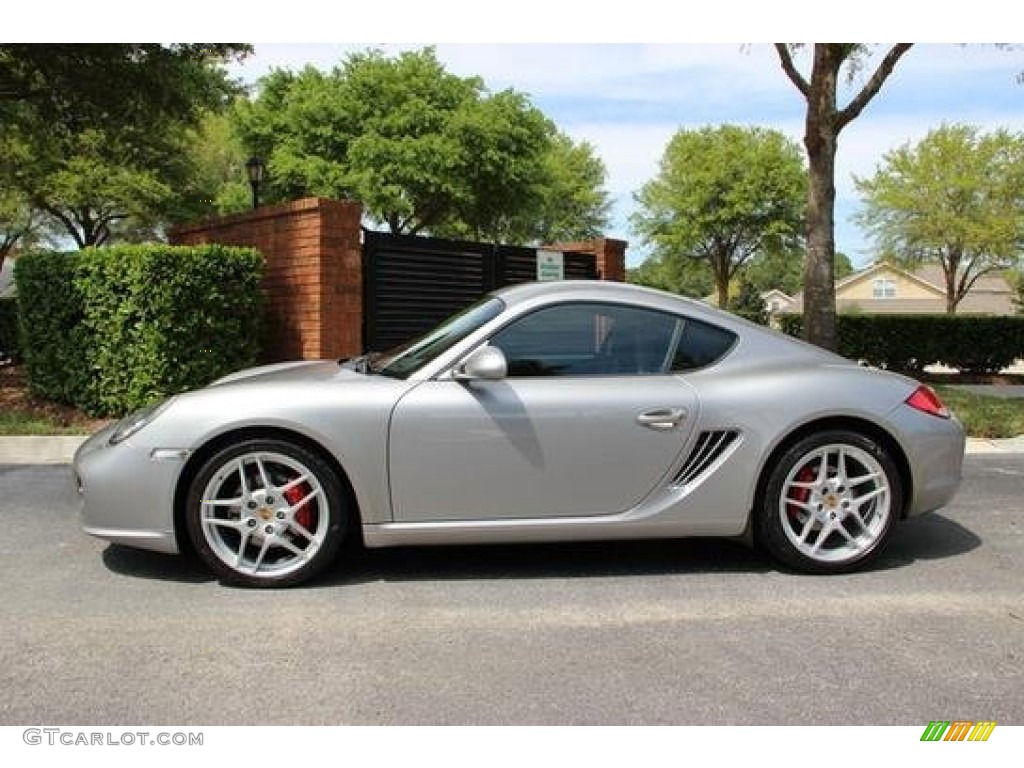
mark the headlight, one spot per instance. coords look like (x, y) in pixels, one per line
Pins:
(133, 422)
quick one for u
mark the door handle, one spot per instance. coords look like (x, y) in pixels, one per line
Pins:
(662, 419)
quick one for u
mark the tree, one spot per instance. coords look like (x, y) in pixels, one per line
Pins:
(17, 221)
(422, 149)
(683, 276)
(217, 183)
(784, 270)
(95, 187)
(748, 303)
(574, 203)
(100, 85)
(955, 199)
(93, 136)
(500, 146)
(823, 123)
(721, 196)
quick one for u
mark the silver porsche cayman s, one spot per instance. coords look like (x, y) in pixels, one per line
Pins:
(544, 412)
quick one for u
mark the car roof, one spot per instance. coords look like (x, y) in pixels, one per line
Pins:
(601, 290)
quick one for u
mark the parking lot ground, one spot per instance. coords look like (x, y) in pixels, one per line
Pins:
(670, 632)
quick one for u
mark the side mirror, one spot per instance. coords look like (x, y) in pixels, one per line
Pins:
(484, 364)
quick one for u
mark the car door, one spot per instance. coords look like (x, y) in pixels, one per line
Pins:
(587, 422)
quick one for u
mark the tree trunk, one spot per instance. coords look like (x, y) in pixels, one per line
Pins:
(722, 284)
(949, 267)
(819, 267)
(821, 140)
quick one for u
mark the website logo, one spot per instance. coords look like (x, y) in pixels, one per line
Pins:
(958, 730)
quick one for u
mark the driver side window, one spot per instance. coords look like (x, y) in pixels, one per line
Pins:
(589, 339)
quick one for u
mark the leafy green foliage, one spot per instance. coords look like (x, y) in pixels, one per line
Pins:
(109, 330)
(955, 199)
(10, 346)
(54, 342)
(911, 342)
(748, 304)
(573, 203)
(100, 85)
(683, 276)
(95, 135)
(17, 223)
(723, 195)
(784, 270)
(217, 182)
(96, 186)
(424, 150)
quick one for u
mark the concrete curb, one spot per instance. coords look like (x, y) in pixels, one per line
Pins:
(60, 449)
(977, 445)
(42, 449)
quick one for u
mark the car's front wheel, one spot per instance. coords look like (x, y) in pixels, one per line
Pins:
(829, 502)
(266, 513)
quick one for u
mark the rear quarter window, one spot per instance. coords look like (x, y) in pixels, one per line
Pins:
(701, 345)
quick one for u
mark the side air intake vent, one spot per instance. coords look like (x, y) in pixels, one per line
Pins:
(706, 451)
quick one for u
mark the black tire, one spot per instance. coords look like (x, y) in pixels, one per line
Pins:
(803, 502)
(268, 527)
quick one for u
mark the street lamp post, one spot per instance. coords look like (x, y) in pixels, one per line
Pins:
(255, 169)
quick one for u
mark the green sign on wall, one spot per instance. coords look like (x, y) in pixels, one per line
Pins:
(550, 266)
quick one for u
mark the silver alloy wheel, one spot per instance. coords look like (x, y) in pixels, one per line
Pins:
(264, 514)
(836, 503)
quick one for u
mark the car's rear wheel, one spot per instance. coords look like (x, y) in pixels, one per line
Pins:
(266, 513)
(829, 502)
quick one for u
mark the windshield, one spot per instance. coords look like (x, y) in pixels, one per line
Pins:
(403, 360)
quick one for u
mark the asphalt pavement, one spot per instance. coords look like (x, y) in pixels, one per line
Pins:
(674, 632)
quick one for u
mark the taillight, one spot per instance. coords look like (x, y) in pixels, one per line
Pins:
(925, 400)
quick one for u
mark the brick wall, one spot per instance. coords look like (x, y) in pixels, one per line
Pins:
(609, 255)
(313, 280)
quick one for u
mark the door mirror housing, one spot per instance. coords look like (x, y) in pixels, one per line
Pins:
(483, 364)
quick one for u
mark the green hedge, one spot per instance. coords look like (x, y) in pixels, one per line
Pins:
(9, 343)
(111, 329)
(910, 342)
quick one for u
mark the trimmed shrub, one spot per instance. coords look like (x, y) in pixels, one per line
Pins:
(54, 344)
(112, 329)
(9, 341)
(970, 343)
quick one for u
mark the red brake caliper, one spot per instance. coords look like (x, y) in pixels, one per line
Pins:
(805, 475)
(304, 516)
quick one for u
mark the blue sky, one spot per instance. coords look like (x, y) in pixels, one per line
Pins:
(629, 99)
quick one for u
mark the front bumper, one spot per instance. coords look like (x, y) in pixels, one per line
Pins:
(127, 494)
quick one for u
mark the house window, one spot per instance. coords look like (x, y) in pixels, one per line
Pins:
(884, 288)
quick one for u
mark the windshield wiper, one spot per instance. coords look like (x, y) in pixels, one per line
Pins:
(360, 363)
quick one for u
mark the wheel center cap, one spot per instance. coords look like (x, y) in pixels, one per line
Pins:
(266, 514)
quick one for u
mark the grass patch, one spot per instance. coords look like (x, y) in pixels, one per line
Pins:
(25, 423)
(984, 415)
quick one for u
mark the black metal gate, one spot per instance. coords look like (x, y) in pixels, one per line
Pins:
(412, 283)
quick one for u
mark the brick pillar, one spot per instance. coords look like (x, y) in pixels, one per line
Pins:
(313, 275)
(609, 256)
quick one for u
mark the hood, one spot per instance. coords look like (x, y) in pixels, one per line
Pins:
(298, 371)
